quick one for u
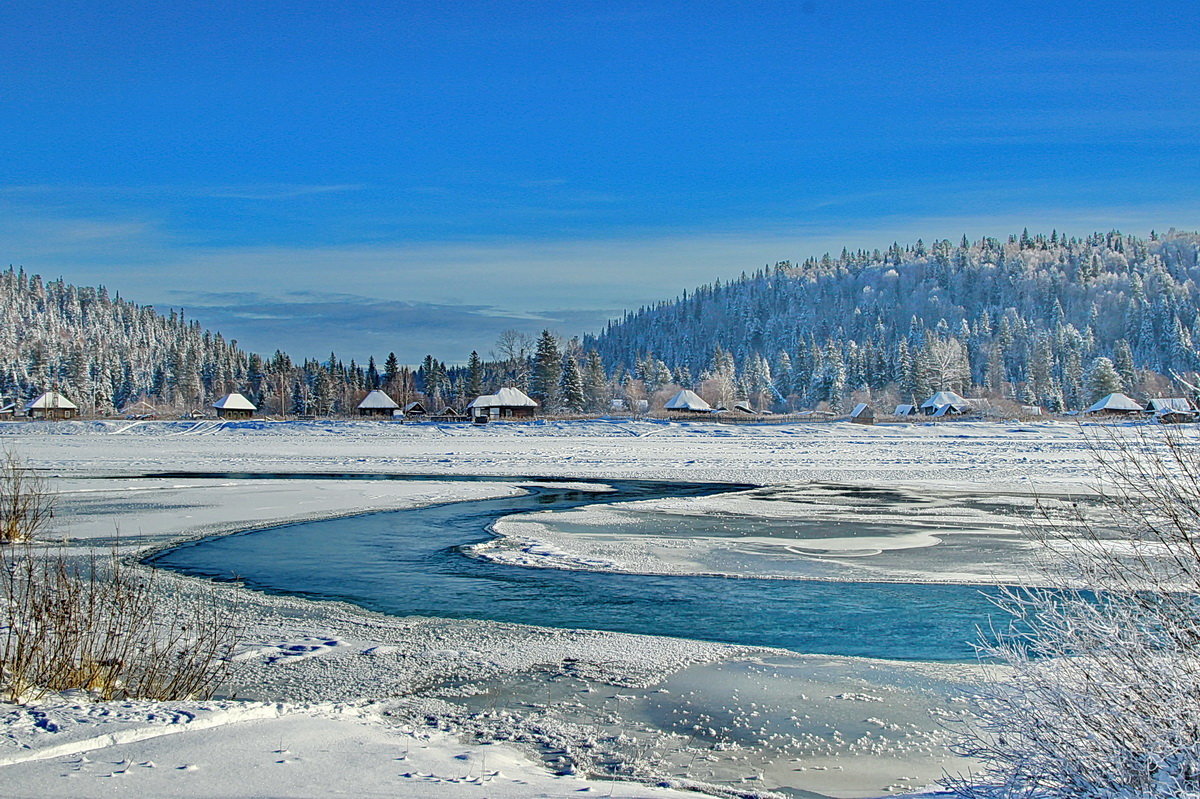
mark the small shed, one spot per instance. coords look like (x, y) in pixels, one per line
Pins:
(1116, 404)
(952, 402)
(8, 412)
(905, 410)
(862, 414)
(507, 403)
(51, 406)
(744, 407)
(1172, 416)
(234, 406)
(687, 402)
(415, 410)
(448, 414)
(377, 403)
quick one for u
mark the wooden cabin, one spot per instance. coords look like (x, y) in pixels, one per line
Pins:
(862, 414)
(415, 410)
(377, 403)
(234, 406)
(687, 402)
(1115, 404)
(507, 403)
(51, 406)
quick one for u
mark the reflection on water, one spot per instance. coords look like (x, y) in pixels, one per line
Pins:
(407, 562)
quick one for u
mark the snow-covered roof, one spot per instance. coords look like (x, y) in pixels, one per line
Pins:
(51, 399)
(504, 398)
(1174, 412)
(140, 406)
(861, 409)
(945, 398)
(904, 410)
(377, 400)
(414, 407)
(1170, 404)
(234, 402)
(687, 400)
(449, 411)
(744, 407)
(1115, 402)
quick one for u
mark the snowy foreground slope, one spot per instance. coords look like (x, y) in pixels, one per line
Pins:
(334, 700)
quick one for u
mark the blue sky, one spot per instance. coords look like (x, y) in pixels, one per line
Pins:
(418, 177)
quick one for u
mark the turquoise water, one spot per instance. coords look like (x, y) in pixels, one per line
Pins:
(408, 562)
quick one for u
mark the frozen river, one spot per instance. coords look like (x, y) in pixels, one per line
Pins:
(411, 562)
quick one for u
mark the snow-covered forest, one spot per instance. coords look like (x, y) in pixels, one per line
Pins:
(1037, 319)
(108, 354)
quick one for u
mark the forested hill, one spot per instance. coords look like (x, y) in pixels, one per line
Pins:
(103, 351)
(1026, 318)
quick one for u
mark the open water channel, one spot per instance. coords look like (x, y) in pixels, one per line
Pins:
(410, 562)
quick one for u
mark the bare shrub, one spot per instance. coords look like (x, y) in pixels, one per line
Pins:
(102, 626)
(26, 506)
(94, 623)
(1102, 692)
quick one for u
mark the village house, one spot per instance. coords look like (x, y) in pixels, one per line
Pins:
(377, 403)
(687, 401)
(415, 410)
(234, 406)
(1116, 404)
(945, 403)
(1163, 404)
(507, 403)
(51, 406)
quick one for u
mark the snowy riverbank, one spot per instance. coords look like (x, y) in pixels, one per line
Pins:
(344, 693)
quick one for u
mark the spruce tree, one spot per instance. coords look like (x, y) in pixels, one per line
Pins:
(474, 375)
(595, 384)
(573, 398)
(547, 372)
(1102, 379)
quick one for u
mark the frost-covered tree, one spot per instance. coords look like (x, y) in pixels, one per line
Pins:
(547, 372)
(1102, 663)
(573, 398)
(1102, 379)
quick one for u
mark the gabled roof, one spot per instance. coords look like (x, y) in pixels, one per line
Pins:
(744, 407)
(861, 409)
(234, 402)
(687, 400)
(51, 399)
(449, 411)
(904, 410)
(504, 398)
(945, 398)
(1170, 404)
(514, 398)
(1115, 402)
(414, 407)
(377, 400)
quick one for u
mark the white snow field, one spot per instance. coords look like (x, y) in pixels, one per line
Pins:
(329, 699)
